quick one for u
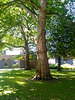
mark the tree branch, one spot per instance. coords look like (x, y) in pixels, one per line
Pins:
(22, 32)
(25, 40)
(22, 5)
(14, 45)
(32, 3)
(48, 14)
(28, 10)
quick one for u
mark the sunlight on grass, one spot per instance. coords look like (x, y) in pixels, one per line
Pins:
(39, 82)
(11, 77)
(68, 66)
(18, 84)
(61, 74)
(1, 77)
(5, 92)
(21, 83)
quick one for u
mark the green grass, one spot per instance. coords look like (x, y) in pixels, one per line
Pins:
(17, 85)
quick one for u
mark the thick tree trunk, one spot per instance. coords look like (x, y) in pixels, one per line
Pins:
(59, 63)
(42, 67)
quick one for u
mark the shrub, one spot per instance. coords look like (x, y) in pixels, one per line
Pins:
(53, 66)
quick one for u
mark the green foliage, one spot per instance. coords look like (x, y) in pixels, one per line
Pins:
(11, 24)
(5, 67)
(15, 65)
(53, 66)
(12, 15)
(32, 57)
(56, 7)
(18, 57)
(60, 37)
(6, 63)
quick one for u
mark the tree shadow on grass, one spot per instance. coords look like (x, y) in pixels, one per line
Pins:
(16, 85)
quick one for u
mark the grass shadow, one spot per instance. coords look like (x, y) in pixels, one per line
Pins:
(16, 85)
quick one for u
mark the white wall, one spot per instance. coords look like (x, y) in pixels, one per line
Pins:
(15, 51)
(51, 61)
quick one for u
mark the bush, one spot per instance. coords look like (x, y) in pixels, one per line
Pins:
(53, 66)
(5, 64)
(15, 66)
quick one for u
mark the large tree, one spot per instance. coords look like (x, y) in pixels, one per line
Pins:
(39, 9)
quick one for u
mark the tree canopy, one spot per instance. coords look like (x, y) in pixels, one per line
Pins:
(61, 38)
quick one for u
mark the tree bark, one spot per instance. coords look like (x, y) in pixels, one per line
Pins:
(59, 63)
(42, 67)
(27, 64)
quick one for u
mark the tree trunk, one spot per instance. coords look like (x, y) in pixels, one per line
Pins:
(27, 64)
(42, 67)
(59, 63)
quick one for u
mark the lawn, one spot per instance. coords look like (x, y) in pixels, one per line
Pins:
(17, 85)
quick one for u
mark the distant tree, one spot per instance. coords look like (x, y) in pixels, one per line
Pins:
(60, 39)
(21, 34)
